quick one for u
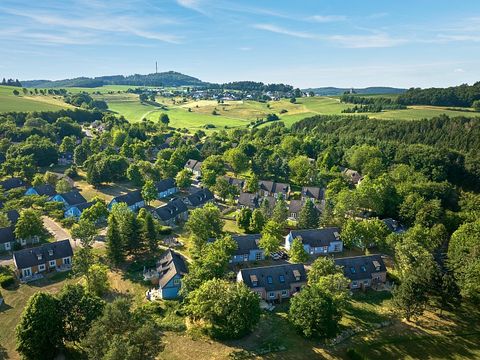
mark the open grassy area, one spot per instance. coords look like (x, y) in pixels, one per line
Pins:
(27, 103)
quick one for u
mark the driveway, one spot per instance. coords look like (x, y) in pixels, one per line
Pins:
(57, 231)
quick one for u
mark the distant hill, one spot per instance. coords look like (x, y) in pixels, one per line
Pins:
(169, 78)
(364, 91)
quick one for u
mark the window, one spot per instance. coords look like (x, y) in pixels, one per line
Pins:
(284, 293)
(41, 267)
(337, 247)
(325, 249)
(66, 261)
(363, 268)
(354, 284)
(282, 278)
(23, 242)
(365, 282)
(258, 256)
(176, 281)
(271, 295)
(52, 263)
(269, 280)
(7, 246)
(245, 257)
(27, 272)
(352, 270)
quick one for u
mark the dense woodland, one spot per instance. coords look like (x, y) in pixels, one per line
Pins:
(463, 95)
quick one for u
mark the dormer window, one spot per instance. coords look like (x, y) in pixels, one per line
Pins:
(281, 278)
(363, 268)
(376, 264)
(352, 270)
(39, 256)
(254, 280)
(50, 252)
(296, 274)
(269, 280)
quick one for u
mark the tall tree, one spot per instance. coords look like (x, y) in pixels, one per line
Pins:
(257, 221)
(243, 218)
(114, 242)
(230, 310)
(40, 330)
(308, 217)
(149, 233)
(280, 211)
(78, 309)
(314, 313)
(271, 238)
(297, 252)
(149, 191)
(30, 225)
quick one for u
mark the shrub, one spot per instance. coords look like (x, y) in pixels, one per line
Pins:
(165, 230)
(353, 354)
(6, 280)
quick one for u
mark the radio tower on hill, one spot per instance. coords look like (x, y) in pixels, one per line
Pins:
(156, 68)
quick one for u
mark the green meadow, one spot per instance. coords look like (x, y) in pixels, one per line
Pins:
(197, 114)
(27, 103)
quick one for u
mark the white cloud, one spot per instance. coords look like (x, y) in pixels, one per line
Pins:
(380, 40)
(458, 70)
(195, 5)
(280, 30)
(327, 18)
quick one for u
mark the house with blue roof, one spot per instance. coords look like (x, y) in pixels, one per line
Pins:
(75, 211)
(41, 190)
(69, 199)
(171, 268)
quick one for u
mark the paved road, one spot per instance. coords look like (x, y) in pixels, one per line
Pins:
(58, 232)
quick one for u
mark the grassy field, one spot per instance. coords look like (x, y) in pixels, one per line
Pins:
(196, 114)
(28, 103)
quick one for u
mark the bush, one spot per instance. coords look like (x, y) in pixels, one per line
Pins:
(164, 230)
(6, 280)
(68, 222)
(353, 354)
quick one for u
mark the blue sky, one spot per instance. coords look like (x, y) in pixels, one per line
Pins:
(304, 43)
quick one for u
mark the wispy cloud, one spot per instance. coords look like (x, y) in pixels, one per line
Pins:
(379, 40)
(71, 29)
(195, 5)
(327, 18)
(281, 30)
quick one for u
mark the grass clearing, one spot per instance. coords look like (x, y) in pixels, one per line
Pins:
(28, 103)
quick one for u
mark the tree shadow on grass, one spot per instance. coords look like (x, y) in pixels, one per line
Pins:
(3, 353)
(275, 338)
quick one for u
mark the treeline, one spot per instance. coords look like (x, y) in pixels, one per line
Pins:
(170, 78)
(370, 104)
(463, 95)
(85, 101)
(11, 82)
(254, 86)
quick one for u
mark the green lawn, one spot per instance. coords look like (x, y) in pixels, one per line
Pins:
(27, 103)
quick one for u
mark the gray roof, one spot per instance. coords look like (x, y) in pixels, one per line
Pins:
(12, 183)
(169, 265)
(73, 197)
(393, 225)
(200, 197)
(165, 184)
(13, 216)
(30, 257)
(248, 199)
(7, 235)
(84, 205)
(198, 166)
(270, 277)
(245, 243)
(171, 210)
(361, 267)
(296, 206)
(190, 164)
(313, 192)
(46, 189)
(235, 182)
(130, 198)
(273, 187)
(317, 237)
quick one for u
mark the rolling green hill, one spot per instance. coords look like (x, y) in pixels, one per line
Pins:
(10, 102)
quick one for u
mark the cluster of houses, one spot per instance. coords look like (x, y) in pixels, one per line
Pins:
(277, 282)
